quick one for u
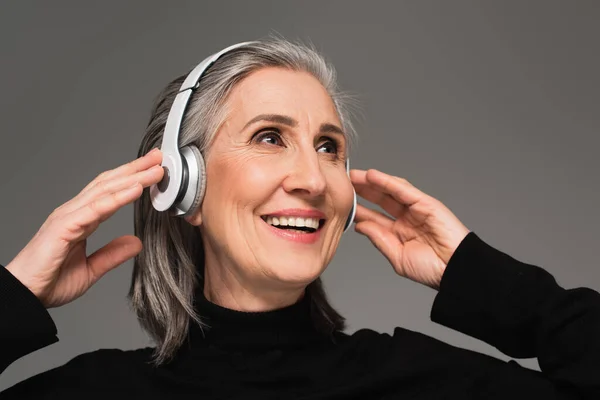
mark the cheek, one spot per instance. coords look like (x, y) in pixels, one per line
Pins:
(239, 181)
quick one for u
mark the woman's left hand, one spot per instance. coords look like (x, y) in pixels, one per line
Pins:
(421, 237)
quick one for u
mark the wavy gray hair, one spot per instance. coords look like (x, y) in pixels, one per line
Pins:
(170, 267)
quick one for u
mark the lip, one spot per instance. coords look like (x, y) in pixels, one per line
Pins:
(304, 238)
(298, 212)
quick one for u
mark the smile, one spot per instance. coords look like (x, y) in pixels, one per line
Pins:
(301, 224)
(295, 229)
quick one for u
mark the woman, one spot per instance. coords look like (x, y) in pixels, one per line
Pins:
(231, 292)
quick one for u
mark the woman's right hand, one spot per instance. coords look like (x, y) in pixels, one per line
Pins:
(54, 265)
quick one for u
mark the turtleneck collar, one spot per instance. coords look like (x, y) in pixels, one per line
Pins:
(228, 329)
(247, 342)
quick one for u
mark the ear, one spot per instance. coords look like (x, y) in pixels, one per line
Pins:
(195, 218)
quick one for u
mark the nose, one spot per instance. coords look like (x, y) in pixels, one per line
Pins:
(306, 175)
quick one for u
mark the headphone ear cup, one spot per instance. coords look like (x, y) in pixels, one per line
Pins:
(353, 209)
(201, 185)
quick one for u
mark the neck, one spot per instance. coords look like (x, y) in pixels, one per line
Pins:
(227, 289)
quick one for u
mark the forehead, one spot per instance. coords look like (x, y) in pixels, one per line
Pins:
(272, 90)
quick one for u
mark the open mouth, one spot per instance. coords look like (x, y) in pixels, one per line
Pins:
(306, 225)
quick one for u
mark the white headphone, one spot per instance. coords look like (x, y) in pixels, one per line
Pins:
(184, 182)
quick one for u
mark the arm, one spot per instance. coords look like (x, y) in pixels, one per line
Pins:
(521, 310)
(26, 325)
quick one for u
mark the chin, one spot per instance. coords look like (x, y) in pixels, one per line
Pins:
(296, 273)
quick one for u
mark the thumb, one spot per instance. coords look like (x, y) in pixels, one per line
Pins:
(112, 255)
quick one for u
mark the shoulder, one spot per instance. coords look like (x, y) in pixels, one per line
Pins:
(420, 353)
(103, 369)
(405, 344)
(110, 363)
(370, 337)
(112, 355)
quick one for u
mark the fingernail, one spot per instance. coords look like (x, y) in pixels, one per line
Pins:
(154, 150)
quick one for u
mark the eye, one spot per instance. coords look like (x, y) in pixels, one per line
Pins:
(332, 145)
(275, 138)
(269, 135)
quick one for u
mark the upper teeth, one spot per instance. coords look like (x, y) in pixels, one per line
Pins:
(293, 221)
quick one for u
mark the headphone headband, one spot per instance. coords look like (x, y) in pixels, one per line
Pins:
(172, 161)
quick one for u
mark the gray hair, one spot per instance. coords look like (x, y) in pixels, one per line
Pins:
(170, 267)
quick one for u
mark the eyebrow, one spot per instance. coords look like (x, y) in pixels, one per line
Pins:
(291, 122)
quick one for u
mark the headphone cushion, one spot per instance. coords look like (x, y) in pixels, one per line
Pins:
(201, 186)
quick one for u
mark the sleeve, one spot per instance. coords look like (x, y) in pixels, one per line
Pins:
(521, 310)
(25, 324)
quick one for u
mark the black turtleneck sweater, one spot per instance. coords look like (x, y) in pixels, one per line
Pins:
(516, 307)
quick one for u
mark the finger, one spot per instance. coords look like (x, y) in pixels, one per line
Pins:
(369, 192)
(112, 255)
(366, 214)
(139, 164)
(84, 220)
(383, 239)
(384, 200)
(398, 227)
(400, 189)
(145, 178)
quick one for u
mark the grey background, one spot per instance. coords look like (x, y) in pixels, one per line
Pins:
(491, 107)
